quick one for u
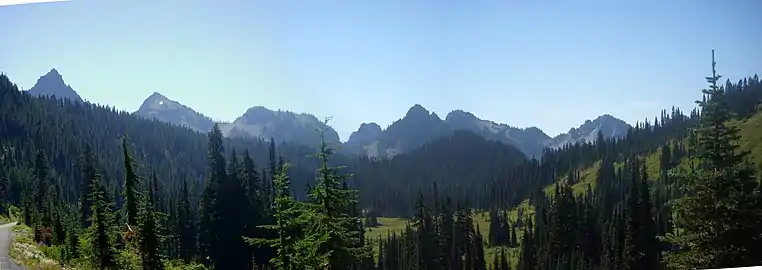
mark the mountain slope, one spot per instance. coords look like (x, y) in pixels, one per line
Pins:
(161, 108)
(364, 140)
(419, 126)
(462, 161)
(175, 154)
(260, 122)
(529, 140)
(607, 125)
(52, 84)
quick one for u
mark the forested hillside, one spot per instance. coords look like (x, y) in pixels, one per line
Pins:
(102, 189)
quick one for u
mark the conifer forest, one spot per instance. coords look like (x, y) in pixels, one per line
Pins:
(99, 188)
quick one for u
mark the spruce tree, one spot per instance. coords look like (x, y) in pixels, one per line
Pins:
(649, 246)
(43, 219)
(334, 217)
(149, 246)
(187, 228)
(212, 223)
(102, 253)
(131, 183)
(719, 218)
(294, 250)
(72, 244)
(88, 171)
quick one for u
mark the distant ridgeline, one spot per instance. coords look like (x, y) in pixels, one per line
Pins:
(82, 172)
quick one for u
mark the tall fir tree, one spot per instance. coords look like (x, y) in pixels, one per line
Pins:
(102, 253)
(131, 183)
(334, 217)
(294, 250)
(186, 225)
(719, 217)
(88, 171)
(149, 247)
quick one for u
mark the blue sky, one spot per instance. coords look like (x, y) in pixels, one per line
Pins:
(550, 64)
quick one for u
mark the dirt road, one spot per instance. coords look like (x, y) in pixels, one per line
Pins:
(5, 247)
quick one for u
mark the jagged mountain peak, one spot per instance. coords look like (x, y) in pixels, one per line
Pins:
(157, 100)
(53, 77)
(608, 125)
(460, 115)
(417, 111)
(259, 121)
(159, 107)
(52, 84)
(372, 126)
(535, 131)
(157, 95)
(368, 133)
(53, 72)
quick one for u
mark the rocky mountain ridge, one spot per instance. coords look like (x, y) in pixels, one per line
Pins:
(161, 108)
(417, 127)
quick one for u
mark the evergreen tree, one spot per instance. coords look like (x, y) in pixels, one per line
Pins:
(72, 245)
(719, 218)
(43, 223)
(149, 236)
(212, 224)
(88, 171)
(131, 183)
(334, 217)
(186, 225)
(294, 250)
(103, 254)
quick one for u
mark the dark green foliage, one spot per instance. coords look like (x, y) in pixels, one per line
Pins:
(211, 227)
(60, 163)
(149, 236)
(103, 253)
(87, 166)
(433, 242)
(186, 226)
(131, 183)
(335, 217)
(719, 218)
(294, 249)
(72, 245)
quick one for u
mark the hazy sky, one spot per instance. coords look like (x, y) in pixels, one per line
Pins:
(550, 64)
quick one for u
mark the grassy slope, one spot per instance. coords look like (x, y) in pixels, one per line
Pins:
(28, 254)
(9, 217)
(751, 140)
(751, 136)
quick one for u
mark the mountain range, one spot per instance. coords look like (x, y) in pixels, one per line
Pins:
(416, 128)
